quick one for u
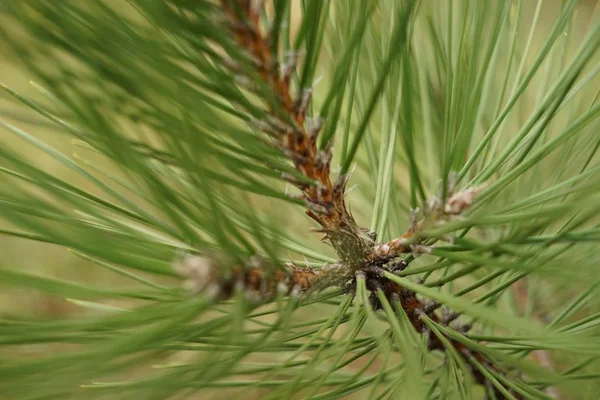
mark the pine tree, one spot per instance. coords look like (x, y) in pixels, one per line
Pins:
(465, 131)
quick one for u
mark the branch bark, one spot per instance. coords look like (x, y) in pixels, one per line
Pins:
(297, 138)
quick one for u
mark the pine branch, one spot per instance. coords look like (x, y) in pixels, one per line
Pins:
(360, 258)
(436, 214)
(296, 135)
(186, 87)
(418, 311)
(257, 279)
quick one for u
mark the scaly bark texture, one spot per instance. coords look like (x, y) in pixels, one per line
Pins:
(416, 309)
(298, 139)
(258, 280)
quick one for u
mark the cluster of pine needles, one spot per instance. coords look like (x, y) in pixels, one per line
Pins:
(445, 156)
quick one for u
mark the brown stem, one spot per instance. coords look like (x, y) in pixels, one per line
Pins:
(324, 199)
(257, 279)
(416, 310)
